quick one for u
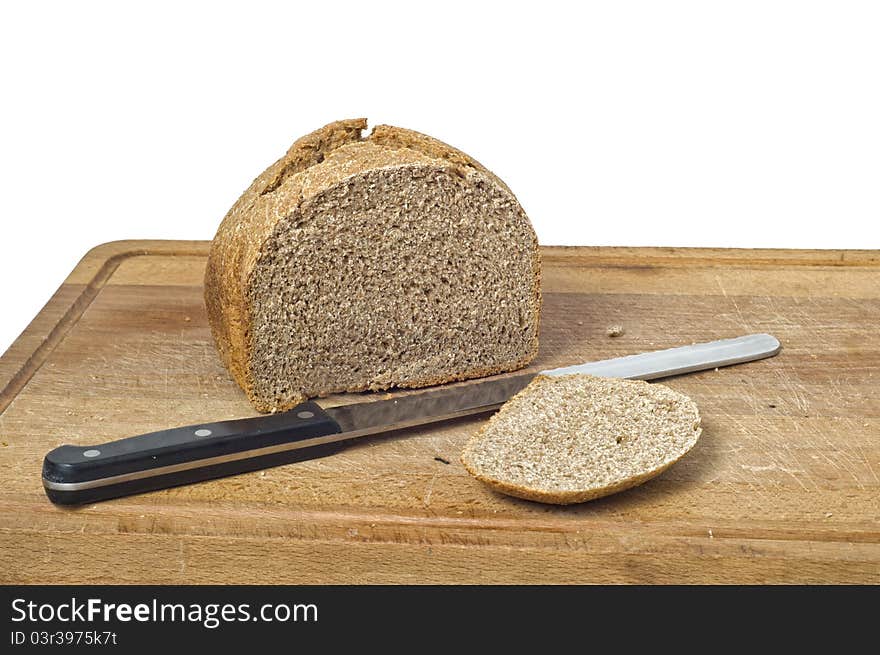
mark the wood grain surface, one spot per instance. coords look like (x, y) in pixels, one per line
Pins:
(782, 487)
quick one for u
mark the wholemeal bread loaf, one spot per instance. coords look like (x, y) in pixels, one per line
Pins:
(356, 263)
(572, 438)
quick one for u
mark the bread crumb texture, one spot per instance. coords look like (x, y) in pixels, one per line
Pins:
(572, 438)
(363, 263)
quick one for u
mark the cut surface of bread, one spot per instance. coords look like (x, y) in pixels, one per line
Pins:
(572, 438)
(357, 263)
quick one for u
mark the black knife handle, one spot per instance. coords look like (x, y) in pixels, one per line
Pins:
(84, 474)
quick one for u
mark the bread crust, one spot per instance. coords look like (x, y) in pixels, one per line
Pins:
(312, 165)
(564, 497)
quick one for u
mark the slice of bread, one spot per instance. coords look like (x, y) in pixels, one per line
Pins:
(356, 263)
(572, 438)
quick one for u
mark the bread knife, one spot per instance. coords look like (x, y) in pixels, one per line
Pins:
(75, 475)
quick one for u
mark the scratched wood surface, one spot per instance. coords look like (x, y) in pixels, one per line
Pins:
(782, 487)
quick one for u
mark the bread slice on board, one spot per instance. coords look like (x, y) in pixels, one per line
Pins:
(572, 438)
(356, 263)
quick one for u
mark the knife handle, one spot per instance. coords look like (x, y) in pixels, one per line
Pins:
(83, 474)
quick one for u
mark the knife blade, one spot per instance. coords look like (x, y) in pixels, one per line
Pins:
(85, 474)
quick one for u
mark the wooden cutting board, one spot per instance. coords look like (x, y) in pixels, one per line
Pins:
(782, 487)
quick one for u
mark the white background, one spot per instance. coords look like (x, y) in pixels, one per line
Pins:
(741, 124)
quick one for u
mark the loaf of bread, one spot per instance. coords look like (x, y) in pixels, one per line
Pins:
(356, 263)
(572, 438)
